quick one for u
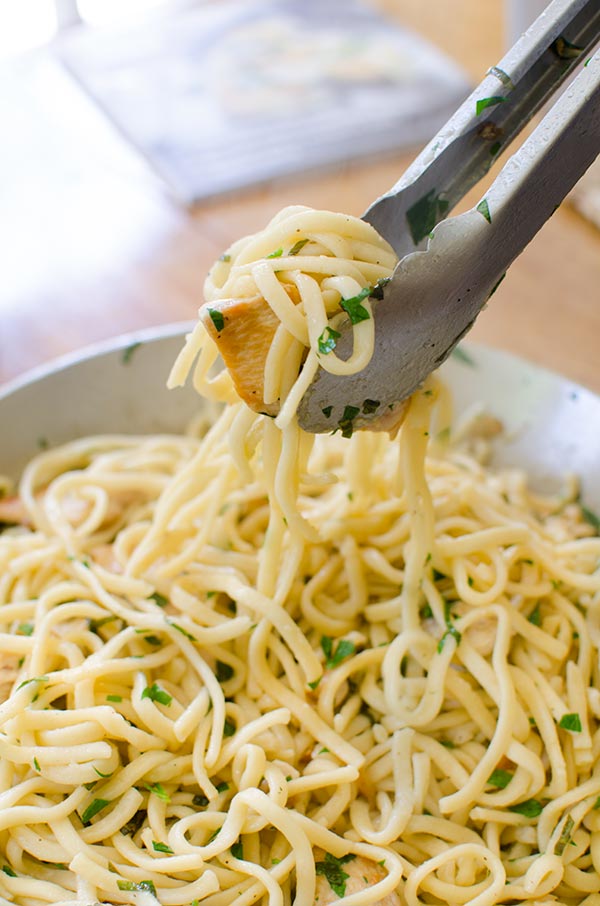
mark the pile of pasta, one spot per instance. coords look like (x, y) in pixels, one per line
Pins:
(374, 679)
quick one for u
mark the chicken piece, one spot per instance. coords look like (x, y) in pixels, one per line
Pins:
(361, 873)
(243, 330)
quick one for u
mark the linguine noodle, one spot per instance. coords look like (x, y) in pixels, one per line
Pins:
(246, 666)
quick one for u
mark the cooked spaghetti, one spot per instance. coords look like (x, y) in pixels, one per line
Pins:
(374, 678)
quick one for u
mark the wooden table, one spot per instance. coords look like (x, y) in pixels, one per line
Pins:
(93, 246)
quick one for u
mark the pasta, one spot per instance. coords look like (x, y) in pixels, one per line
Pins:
(243, 665)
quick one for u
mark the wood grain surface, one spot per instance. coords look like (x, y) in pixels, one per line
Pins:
(94, 246)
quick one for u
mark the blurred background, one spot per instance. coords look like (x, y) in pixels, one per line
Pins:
(141, 137)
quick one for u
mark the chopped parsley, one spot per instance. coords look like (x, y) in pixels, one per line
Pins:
(222, 787)
(228, 728)
(161, 848)
(237, 850)
(370, 406)
(565, 836)
(426, 612)
(25, 629)
(153, 640)
(156, 694)
(327, 341)
(158, 790)
(346, 422)
(298, 246)
(483, 103)
(484, 209)
(451, 628)
(95, 625)
(128, 353)
(535, 616)
(424, 214)
(332, 869)
(276, 254)
(224, 671)
(500, 779)
(183, 631)
(134, 824)
(353, 307)
(93, 808)
(531, 808)
(114, 698)
(596, 804)
(159, 599)
(327, 411)
(377, 291)
(36, 764)
(34, 679)
(592, 518)
(147, 886)
(343, 649)
(100, 774)
(8, 871)
(217, 318)
(571, 722)
(200, 800)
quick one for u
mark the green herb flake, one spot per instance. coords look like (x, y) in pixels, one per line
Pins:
(8, 871)
(344, 649)
(500, 779)
(353, 307)
(531, 808)
(237, 850)
(161, 848)
(483, 103)
(114, 698)
(95, 625)
(565, 836)
(426, 612)
(158, 790)
(370, 406)
(298, 246)
(571, 722)
(200, 800)
(276, 254)
(228, 728)
(36, 764)
(327, 411)
(34, 679)
(225, 257)
(153, 640)
(346, 423)
(222, 787)
(377, 291)
(322, 751)
(447, 743)
(183, 631)
(156, 694)
(591, 518)
(463, 357)
(331, 869)
(327, 341)
(596, 804)
(315, 683)
(147, 886)
(128, 353)
(424, 214)
(159, 599)
(217, 318)
(93, 808)
(484, 209)
(275, 861)
(101, 774)
(224, 671)
(535, 616)
(134, 824)
(25, 629)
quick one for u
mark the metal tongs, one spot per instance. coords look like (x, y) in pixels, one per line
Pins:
(449, 268)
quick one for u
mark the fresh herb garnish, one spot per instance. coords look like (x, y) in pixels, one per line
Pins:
(483, 103)
(200, 800)
(327, 341)
(128, 353)
(500, 779)
(222, 787)
(153, 640)
(327, 411)
(161, 848)
(332, 869)
(315, 683)
(217, 318)
(148, 886)
(8, 871)
(34, 679)
(451, 628)
(370, 406)
(484, 209)
(565, 836)
(228, 728)
(571, 722)
(461, 356)
(114, 698)
(25, 629)
(93, 808)
(423, 215)
(343, 649)
(535, 616)
(224, 671)
(100, 774)
(237, 850)
(592, 518)
(158, 790)
(134, 824)
(156, 694)
(596, 804)
(377, 291)
(159, 599)
(426, 612)
(346, 422)
(276, 254)
(183, 631)
(298, 246)
(531, 808)
(95, 625)
(36, 764)
(353, 307)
